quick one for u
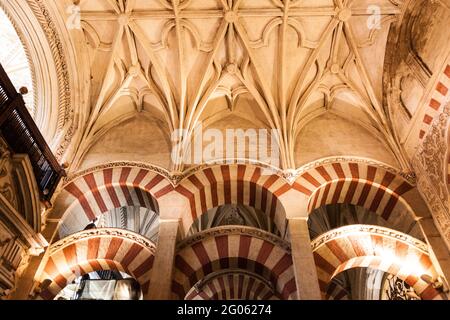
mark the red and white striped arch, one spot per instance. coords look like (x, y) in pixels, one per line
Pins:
(233, 248)
(370, 186)
(234, 184)
(234, 286)
(96, 250)
(97, 192)
(362, 246)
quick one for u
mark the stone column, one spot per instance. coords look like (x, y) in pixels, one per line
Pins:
(304, 266)
(438, 249)
(162, 271)
(439, 253)
(295, 208)
(25, 283)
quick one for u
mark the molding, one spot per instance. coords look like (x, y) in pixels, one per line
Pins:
(234, 230)
(18, 185)
(48, 26)
(119, 164)
(65, 112)
(102, 232)
(29, 190)
(35, 242)
(409, 177)
(367, 229)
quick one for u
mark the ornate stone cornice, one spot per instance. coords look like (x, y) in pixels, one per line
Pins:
(367, 229)
(234, 230)
(103, 232)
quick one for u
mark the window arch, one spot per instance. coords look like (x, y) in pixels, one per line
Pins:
(14, 59)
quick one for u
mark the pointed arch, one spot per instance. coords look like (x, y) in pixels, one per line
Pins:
(378, 248)
(242, 248)
(96, 250)
(360, 182)
(233, 285)
(249, 185)
(96, 192)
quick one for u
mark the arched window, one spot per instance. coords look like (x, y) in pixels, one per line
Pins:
(14, 60)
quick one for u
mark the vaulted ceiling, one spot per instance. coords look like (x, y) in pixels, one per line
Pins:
(249, 63)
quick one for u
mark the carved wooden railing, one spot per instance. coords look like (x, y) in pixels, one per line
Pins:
(23, 137)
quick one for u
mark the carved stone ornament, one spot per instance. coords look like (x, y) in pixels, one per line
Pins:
(430, 162)
(107, 232)
(397, 289)
(351, 230)
(234, 230)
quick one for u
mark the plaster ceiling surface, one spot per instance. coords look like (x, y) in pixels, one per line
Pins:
(280, 64)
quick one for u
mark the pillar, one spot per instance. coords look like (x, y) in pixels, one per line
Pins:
(439, 252)
(162, 271)
(437, 246)
(304, 266)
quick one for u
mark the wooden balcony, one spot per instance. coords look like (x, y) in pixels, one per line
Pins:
(23, 137)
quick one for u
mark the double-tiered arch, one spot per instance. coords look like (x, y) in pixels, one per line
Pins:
(374, 186)
(100, 190)
(236, 248)
(361, 246)
(96, 250)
